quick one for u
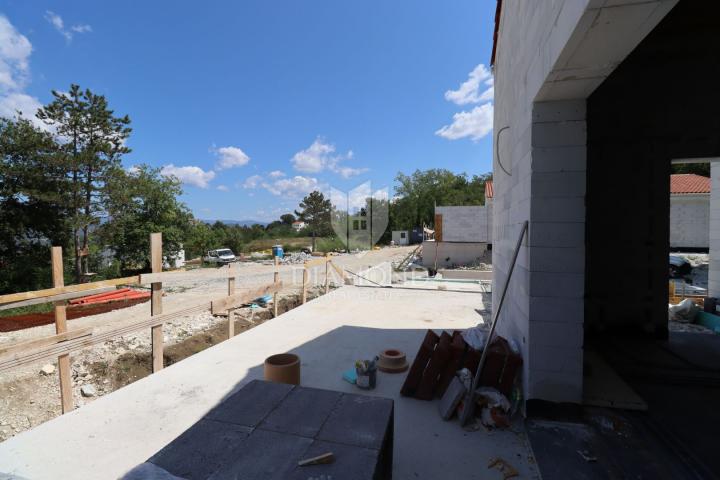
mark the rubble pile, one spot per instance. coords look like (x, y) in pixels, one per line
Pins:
(296, 258)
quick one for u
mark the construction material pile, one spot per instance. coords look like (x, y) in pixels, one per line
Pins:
(296, 258)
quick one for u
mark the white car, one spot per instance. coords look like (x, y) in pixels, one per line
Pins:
(221, 256)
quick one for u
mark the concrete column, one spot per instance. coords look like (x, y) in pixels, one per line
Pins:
(557, 250)
(714, 273)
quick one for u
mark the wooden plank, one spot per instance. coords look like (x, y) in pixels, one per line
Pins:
(56, 298)
(276, 279)
(438, 227)
(239, 299)
(338, 270)
(19, 349)
(304, 285)
(156, 301)
(66, 398)
(82, 287)
(231, 292)
(75, 344)
(327, 274)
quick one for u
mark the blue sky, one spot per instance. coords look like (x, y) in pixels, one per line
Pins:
(254, 103)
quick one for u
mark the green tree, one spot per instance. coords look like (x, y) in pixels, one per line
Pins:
(91, 142)
(287, 218)
(418, 193)
(315, 212)
(31, 216)
(139, 203)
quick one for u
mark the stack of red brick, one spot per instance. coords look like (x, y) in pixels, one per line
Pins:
(440, 357)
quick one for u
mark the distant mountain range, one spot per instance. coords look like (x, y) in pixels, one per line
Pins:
(244, 223)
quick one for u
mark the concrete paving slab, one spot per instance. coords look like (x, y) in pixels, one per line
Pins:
(251, 406)
(343, 427)
(112, 435)
(303, 413)
(189, 458)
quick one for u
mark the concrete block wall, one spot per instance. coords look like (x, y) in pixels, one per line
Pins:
(448, 254)
(532, 35)
(464, 223)
(689, 221)
(557, 250)
(714, 235)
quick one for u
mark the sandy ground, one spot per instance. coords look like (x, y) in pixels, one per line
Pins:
(28, 397)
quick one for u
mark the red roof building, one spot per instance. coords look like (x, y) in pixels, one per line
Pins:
(688, 184)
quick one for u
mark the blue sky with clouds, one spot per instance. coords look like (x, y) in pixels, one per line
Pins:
(254, 103)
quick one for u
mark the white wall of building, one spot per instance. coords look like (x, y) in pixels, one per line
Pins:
(690, 221)
(401, 237)
(464, 223)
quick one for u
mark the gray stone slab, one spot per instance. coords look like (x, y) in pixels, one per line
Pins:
(251, 404)
(266, 456)
(303, 412)
(351, 463)
(202, 449)
(358, 420)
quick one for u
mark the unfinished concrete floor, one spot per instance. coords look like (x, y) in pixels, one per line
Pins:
(108, 437)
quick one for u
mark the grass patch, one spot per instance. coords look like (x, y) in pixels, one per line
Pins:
(39, 308)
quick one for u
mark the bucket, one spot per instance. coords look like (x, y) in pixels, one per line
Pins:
(277, 251)
(283, 368)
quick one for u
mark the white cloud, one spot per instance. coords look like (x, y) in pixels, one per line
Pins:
(57, 22)
(474, 124)
(294, 187)
(15, 50)
(469, 91)
(478, 122)
(276, 174)
(223, 188)
(229, 157)
(347, 172)
(81, 28)
(315, 158)
(252, 182)
(189, 175)
(321, 156)
(15, 102)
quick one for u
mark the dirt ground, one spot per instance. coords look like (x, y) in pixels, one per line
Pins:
(29, 397)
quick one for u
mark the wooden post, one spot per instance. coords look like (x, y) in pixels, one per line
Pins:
(304, 285)
(66, 398)
(327, 272)
(231, 291)
(276, 279)
(156, 301)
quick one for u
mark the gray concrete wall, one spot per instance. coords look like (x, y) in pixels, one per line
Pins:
(689, 221)
(551, 56)
(452, 253)
(714, 236)
(464, 223)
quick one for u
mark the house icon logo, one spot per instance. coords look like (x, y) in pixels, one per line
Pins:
(360, 216)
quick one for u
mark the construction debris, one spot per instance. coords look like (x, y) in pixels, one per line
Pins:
(507, 470)
(48, 369)
(319, 460)
(684, 311)
(296, 258)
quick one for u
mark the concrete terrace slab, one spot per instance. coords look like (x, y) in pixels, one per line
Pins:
(108, 437)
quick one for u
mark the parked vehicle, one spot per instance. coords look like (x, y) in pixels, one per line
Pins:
(679, 266)
(221, 256)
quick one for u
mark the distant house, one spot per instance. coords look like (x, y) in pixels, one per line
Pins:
(298, 225)
(463, 233)
(689, 211)
(401, 237)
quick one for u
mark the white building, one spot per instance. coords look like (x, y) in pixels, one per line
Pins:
(689, 211)
(401, 237)
(463, 234)
(298, 225)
